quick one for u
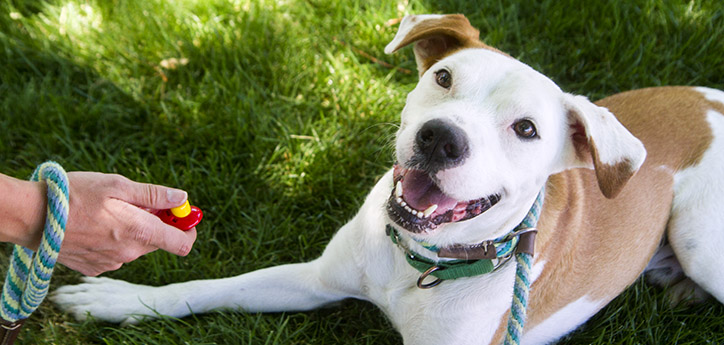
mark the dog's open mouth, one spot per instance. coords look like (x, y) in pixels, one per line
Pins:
(418, 205)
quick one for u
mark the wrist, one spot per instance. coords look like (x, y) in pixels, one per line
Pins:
(22, 210)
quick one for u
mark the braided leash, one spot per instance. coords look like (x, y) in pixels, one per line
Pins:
(28, 278)
(521, 289)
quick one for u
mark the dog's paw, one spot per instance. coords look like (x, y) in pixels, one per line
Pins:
(108, 300)
(686, 292)
(664, 269)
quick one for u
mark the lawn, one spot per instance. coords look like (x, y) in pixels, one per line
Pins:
(278, 116)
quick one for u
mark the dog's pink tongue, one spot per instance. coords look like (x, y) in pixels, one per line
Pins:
(420, 192)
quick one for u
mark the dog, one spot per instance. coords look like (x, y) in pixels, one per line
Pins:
(483, 138)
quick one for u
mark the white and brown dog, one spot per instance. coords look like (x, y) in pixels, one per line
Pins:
(480, 136)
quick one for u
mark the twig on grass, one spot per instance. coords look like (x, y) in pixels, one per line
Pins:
(372, 58)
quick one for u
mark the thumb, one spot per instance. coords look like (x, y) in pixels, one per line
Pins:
(153, 196)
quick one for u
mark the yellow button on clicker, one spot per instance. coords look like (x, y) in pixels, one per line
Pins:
(182, 211)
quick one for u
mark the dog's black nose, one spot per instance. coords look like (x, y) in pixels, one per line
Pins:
(440, 145)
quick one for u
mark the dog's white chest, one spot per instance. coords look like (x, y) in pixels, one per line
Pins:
(461, 311)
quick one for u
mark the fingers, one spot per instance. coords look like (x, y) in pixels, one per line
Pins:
(90, 264)
(147, 230)
(148, 195)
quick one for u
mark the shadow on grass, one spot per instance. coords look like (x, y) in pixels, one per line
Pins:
(223, 127)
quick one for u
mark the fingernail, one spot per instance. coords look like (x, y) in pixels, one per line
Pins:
(176, 196)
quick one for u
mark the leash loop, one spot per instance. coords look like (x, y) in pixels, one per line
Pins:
(28, 278)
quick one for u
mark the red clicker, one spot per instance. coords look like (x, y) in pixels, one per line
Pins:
(183, 217)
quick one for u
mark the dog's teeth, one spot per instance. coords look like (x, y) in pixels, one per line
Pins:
(398, 189)
(408, 209)
(403, 204)
(429, 210)
(399, 200)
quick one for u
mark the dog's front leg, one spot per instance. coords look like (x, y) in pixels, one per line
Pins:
(292, 287)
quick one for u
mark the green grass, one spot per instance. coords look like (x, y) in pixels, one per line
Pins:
(278, 126)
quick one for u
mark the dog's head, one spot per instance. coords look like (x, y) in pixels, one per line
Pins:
(481, 133)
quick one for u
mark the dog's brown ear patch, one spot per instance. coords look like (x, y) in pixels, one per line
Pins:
(598, 137)
(611, 177)
(435, 36)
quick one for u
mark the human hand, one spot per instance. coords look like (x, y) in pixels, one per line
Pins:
(109, 225)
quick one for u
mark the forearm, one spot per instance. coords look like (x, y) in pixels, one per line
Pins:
(22, 211)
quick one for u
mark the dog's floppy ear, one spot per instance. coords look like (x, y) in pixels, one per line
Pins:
(597, 137)
(435, 36)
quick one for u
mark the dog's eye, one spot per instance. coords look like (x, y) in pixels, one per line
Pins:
(443, 78)
(525, 129)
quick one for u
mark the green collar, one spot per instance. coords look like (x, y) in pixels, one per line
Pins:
(472, 260)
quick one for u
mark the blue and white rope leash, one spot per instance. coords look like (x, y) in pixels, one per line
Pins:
(521, 288)
(28, 278)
